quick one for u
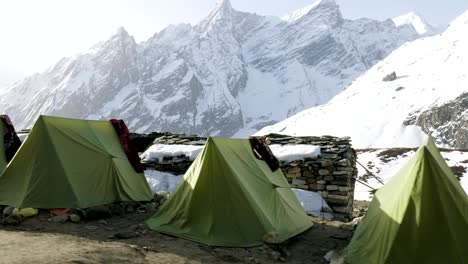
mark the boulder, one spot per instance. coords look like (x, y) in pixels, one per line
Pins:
(75, 218)
(151, 207)
(59, 218)
(390, 77)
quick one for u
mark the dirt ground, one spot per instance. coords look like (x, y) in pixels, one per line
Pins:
(126, 239)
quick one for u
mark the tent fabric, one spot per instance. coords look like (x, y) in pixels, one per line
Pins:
(127, 143)
(9, 141)
(419, 216)
(70, 163)
(230, 198)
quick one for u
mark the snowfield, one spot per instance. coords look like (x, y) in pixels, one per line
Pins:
(289, 153)
(157, 152)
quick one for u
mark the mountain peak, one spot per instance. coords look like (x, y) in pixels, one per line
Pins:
(416, 21)
(121, 38)
(223, 5)
(121, 31)
(321, 6)
(221, 12)
(222, 8)
(121, 35)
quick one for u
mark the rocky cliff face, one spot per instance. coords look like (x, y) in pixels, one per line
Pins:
(230, 74)
(447, 122)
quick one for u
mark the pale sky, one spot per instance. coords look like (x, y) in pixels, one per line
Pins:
(37, 33)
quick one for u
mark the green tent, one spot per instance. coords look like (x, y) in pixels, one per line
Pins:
(419, 216)
(230, 198)
(69, 163)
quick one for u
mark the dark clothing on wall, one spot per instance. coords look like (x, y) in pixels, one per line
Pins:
(11, 141)
(263, 152)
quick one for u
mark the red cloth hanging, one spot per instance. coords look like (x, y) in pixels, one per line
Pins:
(127, 144)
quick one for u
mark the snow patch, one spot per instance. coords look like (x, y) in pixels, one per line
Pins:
(22, 136)
(157, 152)
(162, 181)
(313, 203)
(290, 153)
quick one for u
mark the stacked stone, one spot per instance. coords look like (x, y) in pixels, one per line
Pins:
(180, 139)
(143, 141)
(174, 167)
(331, 174)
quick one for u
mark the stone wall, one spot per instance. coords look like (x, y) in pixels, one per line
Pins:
(331, 174)
(143, 141)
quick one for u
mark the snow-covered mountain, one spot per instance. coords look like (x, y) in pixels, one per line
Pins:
(231, 74)
(429, 95)
(417, 22)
